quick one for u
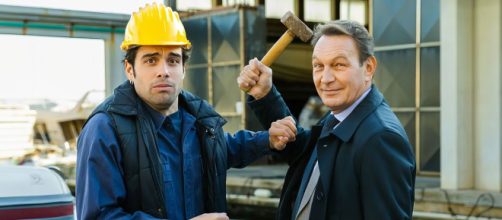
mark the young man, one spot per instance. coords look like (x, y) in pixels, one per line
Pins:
(152, 150)
(357, 163)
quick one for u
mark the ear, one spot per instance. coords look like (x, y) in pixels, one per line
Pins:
(370, 66)
(129, 70)
(183, 73)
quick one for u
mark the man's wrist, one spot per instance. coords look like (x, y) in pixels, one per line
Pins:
(261, 95)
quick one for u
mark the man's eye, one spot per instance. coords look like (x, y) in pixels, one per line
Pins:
(150, 61)
(173, 61)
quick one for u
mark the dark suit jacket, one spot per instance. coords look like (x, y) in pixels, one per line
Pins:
(367, 166)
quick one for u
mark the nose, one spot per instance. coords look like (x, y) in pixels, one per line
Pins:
(328, 76)
(163, 71)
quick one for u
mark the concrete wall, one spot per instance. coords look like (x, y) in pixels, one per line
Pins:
(487, 94)
(471, 94)
(456, 94)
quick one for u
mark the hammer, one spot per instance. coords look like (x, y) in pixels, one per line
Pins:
(295, 28)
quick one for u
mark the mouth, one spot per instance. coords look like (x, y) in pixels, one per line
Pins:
(163, 86)
(330, 91)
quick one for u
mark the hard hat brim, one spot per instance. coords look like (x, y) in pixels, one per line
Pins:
(126, 46)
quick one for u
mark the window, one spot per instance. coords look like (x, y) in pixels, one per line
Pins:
(318, 10)
(355, 10)
(276, 9)
(408, 72)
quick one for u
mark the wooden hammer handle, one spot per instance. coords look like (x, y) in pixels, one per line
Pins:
(278, 48)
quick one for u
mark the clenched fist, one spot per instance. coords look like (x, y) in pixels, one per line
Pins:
(282, 132)
(255, 79)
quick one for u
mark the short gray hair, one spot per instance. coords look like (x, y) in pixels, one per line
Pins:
(364, 42)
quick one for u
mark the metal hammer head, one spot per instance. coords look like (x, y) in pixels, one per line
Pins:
(295, 25)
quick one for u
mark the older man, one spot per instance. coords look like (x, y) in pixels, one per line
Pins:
(357, 163)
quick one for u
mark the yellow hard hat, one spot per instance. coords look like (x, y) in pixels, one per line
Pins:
(155, 24)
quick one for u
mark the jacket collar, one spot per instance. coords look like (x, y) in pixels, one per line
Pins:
(125, 101)
(203, 112)
(344, 131)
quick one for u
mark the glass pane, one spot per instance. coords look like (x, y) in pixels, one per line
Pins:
(196, 82)
(255, 36)
(184, 5)
(233, 124)
(408, 121)
(429, 141)
(395, 76)
(196, 29)
(429, 29)
(317, 10)
(226, 92)
(394, 22)
(429, 76)
(276, 9)
(225, 36)
(353, 10)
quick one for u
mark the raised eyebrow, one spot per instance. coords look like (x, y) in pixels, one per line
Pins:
(173, 54)
(340, 57)
(148, 55)
(334, 59)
